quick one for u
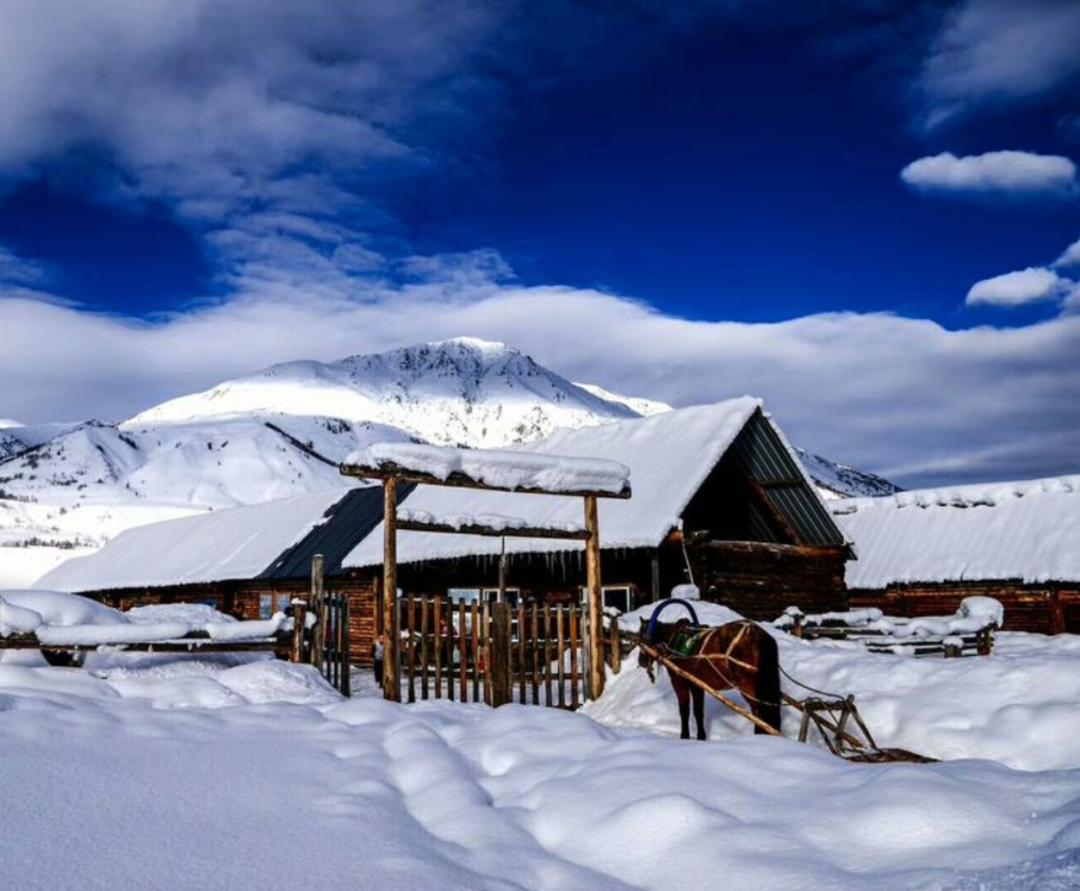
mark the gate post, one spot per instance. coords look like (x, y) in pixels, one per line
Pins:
(595, 640)
(318, 605)
(500, 654)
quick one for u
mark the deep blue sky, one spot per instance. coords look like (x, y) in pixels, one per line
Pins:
(741, 170)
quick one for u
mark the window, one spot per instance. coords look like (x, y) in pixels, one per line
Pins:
(616, 597)
(467, 594)
(513, 595)
(272, 603)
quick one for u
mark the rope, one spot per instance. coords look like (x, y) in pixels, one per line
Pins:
(806, 686)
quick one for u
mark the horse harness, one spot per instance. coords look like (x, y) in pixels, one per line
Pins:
(687, 643)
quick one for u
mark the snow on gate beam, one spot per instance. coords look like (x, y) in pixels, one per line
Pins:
(491, 469)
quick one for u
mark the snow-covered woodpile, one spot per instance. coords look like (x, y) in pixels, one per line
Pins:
(922, 552)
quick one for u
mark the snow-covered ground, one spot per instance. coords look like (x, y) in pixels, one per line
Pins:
(178, 772)
(193, 774)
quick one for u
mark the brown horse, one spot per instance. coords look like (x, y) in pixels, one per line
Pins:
(737, 656)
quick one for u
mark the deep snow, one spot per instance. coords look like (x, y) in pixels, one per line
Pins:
(237, 772)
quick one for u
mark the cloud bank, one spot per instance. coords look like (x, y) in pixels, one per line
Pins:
(901, 396)
(1007, 174)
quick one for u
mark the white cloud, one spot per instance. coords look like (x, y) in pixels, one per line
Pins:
(866, 389)
(1069, 257)
(1000, 51)
(1007, 174)
(1030, 285)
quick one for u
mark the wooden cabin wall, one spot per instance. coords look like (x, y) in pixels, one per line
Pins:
(1043, 609)
(761, 580)
(242, 599)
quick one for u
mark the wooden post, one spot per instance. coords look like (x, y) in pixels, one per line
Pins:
(391, 637)
(596, 599)
(500, 655)
(343, 654)
(501, 596)
(574, 701)
(296, 654)
(1057, 613)
(463, 650)
(615, 656)
(318, 604)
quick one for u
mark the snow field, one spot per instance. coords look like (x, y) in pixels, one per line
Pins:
(127, 790)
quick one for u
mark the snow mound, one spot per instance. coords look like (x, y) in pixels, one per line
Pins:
(61, 608)
(275, 681)
(187, 613)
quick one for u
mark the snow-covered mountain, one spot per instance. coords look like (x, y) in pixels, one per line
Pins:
(464, 392)
(840, 481)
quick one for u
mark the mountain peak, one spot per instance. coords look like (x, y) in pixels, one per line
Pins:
(461, 391)
(487, 347)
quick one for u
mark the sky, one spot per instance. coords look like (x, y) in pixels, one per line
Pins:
(866, 212)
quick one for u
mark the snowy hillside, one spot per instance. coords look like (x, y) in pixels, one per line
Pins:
(456, 392)
(643, 407)
(215, 463)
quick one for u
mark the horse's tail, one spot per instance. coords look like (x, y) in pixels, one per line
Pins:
(767, 682)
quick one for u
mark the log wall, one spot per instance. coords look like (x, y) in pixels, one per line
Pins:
(761, 580)
(1049, 608)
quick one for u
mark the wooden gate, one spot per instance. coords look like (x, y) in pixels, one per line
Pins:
(330, 650)
(491, 653)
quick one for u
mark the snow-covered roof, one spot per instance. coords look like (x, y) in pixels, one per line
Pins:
(498, 468)
(1025, 530)
(237, 543)
(669, 456)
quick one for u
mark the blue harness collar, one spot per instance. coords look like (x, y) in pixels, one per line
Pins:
(650, 629)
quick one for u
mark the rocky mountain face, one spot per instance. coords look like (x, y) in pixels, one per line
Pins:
(840, 481)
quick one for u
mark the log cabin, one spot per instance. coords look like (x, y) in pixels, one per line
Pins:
(248, 562)
(921, 552)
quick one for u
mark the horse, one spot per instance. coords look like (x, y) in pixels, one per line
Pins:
(738, 656)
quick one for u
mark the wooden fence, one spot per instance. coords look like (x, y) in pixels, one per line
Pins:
(532, 654)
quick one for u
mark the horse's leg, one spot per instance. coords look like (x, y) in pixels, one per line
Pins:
(682, 693)
(699, 711)
(767, 683)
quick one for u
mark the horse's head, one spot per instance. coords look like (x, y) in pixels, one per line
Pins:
(644, 659)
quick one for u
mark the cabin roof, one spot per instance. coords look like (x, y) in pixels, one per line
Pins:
(669, 455)
(275, 540)
(1025, 531)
